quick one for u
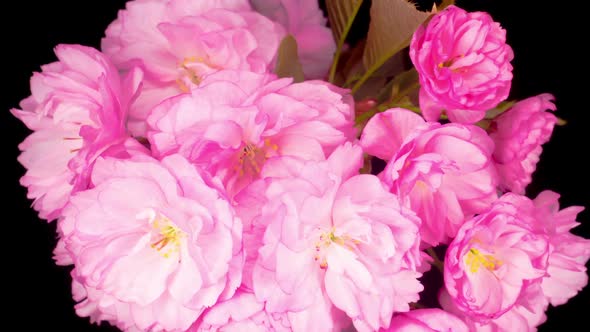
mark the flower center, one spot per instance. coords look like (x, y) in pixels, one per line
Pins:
(326, 240)
(475, 259)
(251, 158)
(167, 238)
(191, 69)
(449, 62)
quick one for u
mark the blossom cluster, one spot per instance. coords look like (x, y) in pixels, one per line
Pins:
(196, 190)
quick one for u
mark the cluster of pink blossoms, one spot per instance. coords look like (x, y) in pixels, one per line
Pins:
(194, 190)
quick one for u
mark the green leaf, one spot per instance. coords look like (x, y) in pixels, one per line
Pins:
(501, 108)
(374, 85)
(392, 25)
(341, 14)
(404, 83)
(371, 88)
(484, 124)
(352, 68)
(288, 64)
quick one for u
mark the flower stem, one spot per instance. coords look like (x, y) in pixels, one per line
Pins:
(436, 261)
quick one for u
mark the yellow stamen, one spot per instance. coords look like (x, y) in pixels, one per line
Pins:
(450, 62)
(193, 76)
(169, 236)
(189, 71)
(474, 259)
(447, 63)
(251, 158)
(271, 145)
(182, 86)
(326, 239)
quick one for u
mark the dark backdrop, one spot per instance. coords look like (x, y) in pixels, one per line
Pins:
(38, 292)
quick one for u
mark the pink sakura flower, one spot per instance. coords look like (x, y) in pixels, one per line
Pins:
(526, 314)
(306, 22)
(464, 65)
(248, 204)
(179, 42)
(333, 232)
(518, 135)
(443, 172)
(246, 313)
(495, 257)
(565, 271)
(426, 320)
(101, 307)
(153, 243)
(243, 312)
(568, 253)
(239, 124)
(77, 111)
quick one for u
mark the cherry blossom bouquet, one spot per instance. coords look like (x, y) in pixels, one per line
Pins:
(235, 165)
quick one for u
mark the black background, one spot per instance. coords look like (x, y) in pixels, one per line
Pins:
(547, 40)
